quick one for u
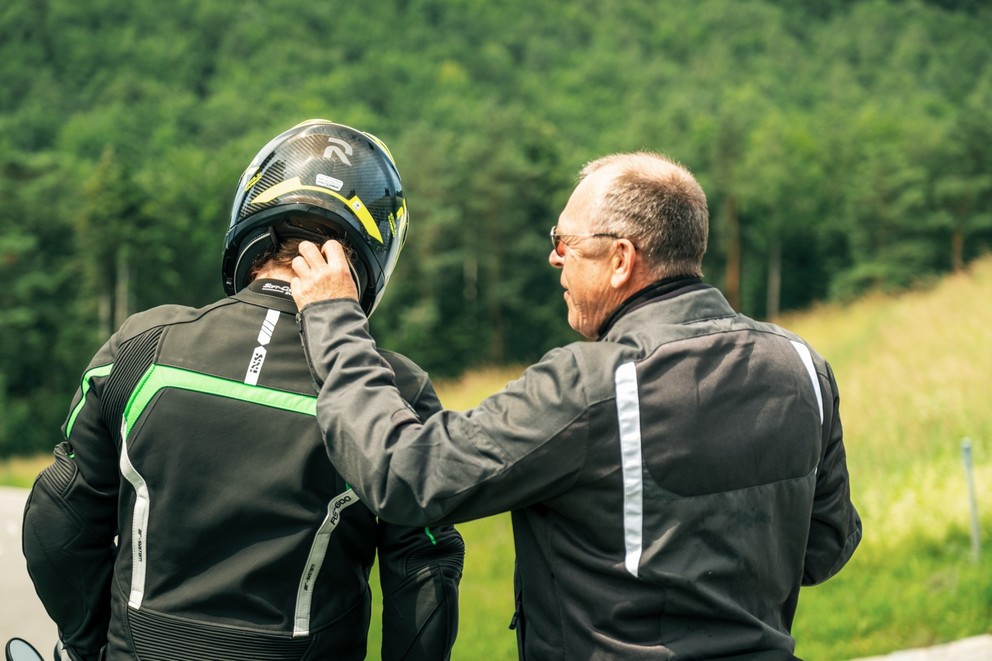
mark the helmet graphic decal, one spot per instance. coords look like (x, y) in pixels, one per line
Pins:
(294, 184)
(335, 149)
(254, 180)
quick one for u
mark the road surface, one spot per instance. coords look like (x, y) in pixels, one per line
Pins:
(21, 613)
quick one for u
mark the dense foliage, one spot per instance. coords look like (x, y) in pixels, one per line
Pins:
(843, 145)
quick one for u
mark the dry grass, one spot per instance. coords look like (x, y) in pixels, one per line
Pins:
(468, 390)
(21, 471)
(915, 377)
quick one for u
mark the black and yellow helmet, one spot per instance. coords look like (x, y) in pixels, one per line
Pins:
(320, 179)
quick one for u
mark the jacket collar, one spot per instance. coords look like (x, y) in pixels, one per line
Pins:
(657, 290)
(268, 293)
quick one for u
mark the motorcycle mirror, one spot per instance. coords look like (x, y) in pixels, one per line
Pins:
(21, 650)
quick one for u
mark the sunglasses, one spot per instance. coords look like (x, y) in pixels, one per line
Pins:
(559, 248)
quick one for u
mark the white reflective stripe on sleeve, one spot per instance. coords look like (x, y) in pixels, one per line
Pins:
(139, 524)
(807, 359)
(318, 549)
(629, 415)
(258, 356)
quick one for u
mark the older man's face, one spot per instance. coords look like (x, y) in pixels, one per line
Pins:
(585, 262)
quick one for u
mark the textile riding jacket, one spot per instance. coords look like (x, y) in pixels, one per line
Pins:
(672, 485)
(193, 441)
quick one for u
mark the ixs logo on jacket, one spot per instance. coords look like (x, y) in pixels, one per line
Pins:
(258, 355)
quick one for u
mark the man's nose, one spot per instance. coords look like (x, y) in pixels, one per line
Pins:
(555, 259)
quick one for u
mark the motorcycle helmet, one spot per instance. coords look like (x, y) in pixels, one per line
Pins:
(320, 180)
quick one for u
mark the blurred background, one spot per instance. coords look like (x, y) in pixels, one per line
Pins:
(845, 147)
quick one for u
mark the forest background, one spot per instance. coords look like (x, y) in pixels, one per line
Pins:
(843, 145)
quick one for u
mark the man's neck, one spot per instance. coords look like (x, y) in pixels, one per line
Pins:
(283, 273)
(664, 288)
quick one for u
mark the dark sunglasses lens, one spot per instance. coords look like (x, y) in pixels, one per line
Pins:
(556, 242)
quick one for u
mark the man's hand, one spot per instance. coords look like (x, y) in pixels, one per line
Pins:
(321, 277)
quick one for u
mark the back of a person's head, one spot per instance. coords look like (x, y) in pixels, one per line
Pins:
(282, 249)
(658, 205)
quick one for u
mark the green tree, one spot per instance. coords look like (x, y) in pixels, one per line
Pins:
(40, 341)
(475, 273)
(843, 145)
(962, 182)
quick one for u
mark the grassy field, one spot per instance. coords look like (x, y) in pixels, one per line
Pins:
(21, 471)
(915, 378)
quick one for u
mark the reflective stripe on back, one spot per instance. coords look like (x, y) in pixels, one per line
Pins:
(258, 355)
(318, 549)
(807, 359)
(156, 379)
(139, 523)
(629, 415)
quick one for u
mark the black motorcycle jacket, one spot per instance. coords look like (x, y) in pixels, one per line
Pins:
(192, 511)
(672, 485)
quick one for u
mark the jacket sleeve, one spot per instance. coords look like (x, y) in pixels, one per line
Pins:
(70, 520)
(523, 445)
(835, 527)
(419, 572)
(419, 568)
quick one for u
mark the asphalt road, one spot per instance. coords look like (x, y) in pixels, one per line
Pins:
(21, 613)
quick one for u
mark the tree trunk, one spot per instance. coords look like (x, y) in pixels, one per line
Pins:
(104, 303)
(733, 277)
(121, 288)
(492, 258)
(774, 293)
(957, 248)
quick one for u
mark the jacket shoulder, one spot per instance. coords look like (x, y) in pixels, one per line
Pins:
(163, 315)
(402, 365)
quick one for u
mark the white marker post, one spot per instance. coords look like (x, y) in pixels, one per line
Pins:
(976, 545)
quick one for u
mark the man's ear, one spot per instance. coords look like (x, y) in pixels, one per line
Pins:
(622, 263)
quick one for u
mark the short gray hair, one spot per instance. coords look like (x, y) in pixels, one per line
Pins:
(658, 205)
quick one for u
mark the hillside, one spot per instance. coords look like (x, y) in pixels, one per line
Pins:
(843, 146)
